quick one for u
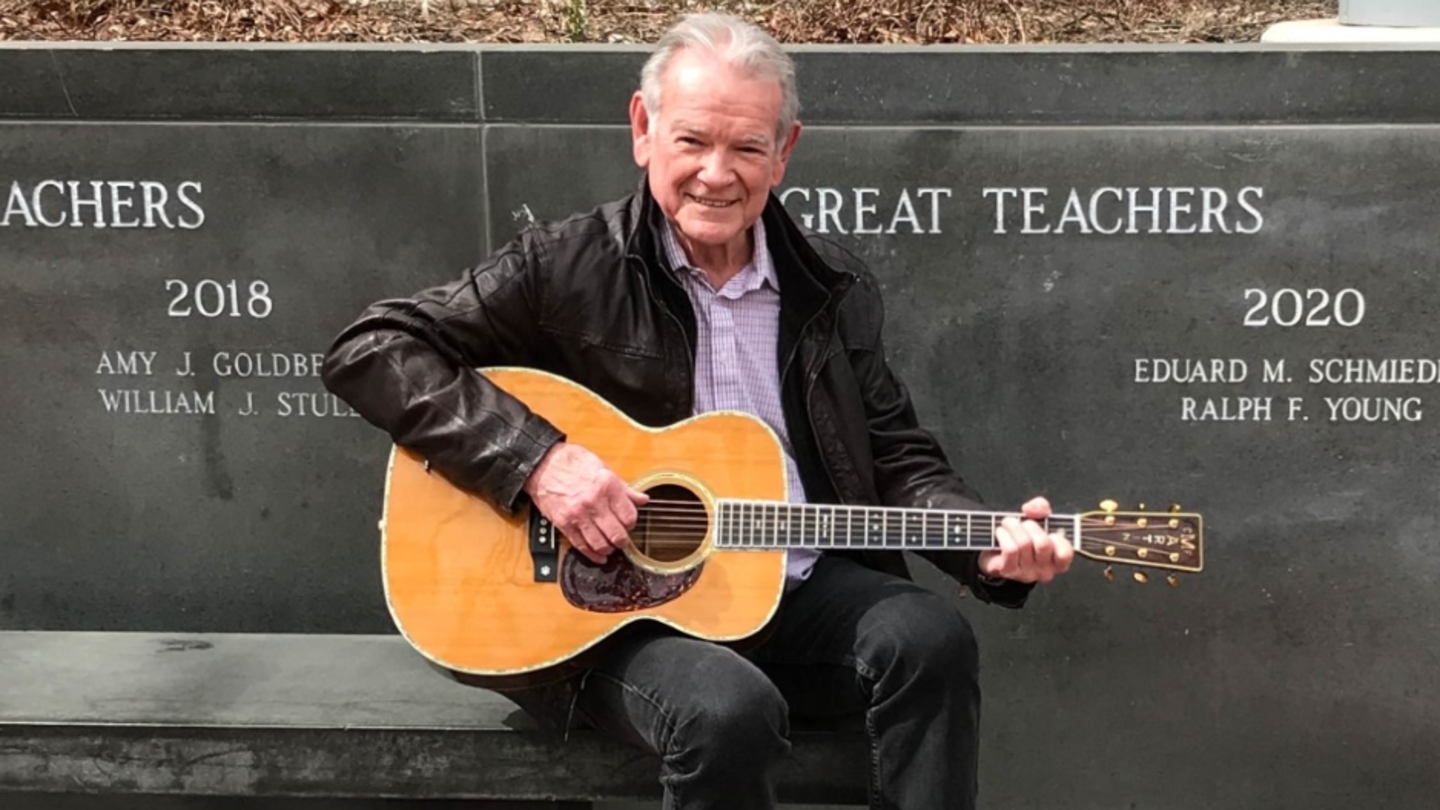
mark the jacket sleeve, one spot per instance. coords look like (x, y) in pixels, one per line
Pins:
(911, 469)
(407, 365)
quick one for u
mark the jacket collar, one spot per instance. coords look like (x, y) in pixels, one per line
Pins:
(811, 281)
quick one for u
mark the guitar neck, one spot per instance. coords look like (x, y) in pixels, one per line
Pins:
(773, 525)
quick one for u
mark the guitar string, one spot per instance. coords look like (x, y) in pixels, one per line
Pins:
(890, 521)
(834, 521)
(939, 539)
(800, 511)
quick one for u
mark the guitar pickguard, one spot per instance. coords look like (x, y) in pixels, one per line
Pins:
(618, 585)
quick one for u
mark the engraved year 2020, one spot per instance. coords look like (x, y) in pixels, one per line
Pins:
(1313, 307)
(210, 298)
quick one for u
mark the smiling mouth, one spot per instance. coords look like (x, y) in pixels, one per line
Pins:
(710, 203)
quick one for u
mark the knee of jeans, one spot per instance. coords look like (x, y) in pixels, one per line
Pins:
(745, 717)
(935, 640)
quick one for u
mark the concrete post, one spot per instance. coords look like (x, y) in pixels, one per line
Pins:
(1413, 22)
(1401, 13)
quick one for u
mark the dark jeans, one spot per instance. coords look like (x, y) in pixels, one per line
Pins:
(849, 641)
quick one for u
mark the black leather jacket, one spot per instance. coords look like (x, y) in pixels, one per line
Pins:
(592, 299)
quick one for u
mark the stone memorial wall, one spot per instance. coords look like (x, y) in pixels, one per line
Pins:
(1201, 276)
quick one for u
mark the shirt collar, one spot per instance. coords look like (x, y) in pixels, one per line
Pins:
(760, 270)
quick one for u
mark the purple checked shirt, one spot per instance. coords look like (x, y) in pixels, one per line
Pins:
(738, 331)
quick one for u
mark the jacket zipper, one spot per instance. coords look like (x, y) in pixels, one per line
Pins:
(813, 377)
(679, 327)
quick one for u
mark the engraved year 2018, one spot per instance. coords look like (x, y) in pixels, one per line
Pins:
(1312, 307)
(210, 298)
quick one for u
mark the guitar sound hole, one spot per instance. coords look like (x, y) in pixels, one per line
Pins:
(671, 526)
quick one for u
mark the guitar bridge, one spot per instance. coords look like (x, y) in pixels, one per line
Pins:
(544, 547)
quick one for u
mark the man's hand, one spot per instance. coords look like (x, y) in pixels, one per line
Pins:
(585, 500)
(1027, 553)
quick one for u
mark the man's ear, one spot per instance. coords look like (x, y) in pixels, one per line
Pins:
(640, 130)
(784, 157)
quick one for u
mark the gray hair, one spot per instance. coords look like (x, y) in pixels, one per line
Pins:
(738, 44)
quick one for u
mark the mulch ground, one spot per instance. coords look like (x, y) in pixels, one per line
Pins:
(834, 21)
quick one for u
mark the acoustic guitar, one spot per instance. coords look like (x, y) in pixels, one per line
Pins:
(499, 598)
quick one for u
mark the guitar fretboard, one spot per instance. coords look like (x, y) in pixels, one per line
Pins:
(772, 525)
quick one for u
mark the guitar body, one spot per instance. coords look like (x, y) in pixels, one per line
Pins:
(460, 578)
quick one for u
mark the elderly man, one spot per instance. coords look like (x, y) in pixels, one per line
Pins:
(699, 293)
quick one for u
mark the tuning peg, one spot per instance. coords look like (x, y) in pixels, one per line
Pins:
(1110, 573)
(1139, 507)
(1175, 508)
(1141, 578)
(1108, 506)
(1173, 580)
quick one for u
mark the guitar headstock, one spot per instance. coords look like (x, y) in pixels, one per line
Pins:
(1170, 540)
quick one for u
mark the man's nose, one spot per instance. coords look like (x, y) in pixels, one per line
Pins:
(715, 168)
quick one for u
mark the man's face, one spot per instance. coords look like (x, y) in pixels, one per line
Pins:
(711, 149)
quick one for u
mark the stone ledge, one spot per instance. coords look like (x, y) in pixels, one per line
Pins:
(298, 715)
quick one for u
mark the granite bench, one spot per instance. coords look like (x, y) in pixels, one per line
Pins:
(313, 716)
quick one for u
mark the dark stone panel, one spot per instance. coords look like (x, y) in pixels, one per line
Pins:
(559, 84)
(588, 85)
(985, 85)
(551, 172)
(208, 519)
(1104, 86)
(86, 82)
(1296, 664)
